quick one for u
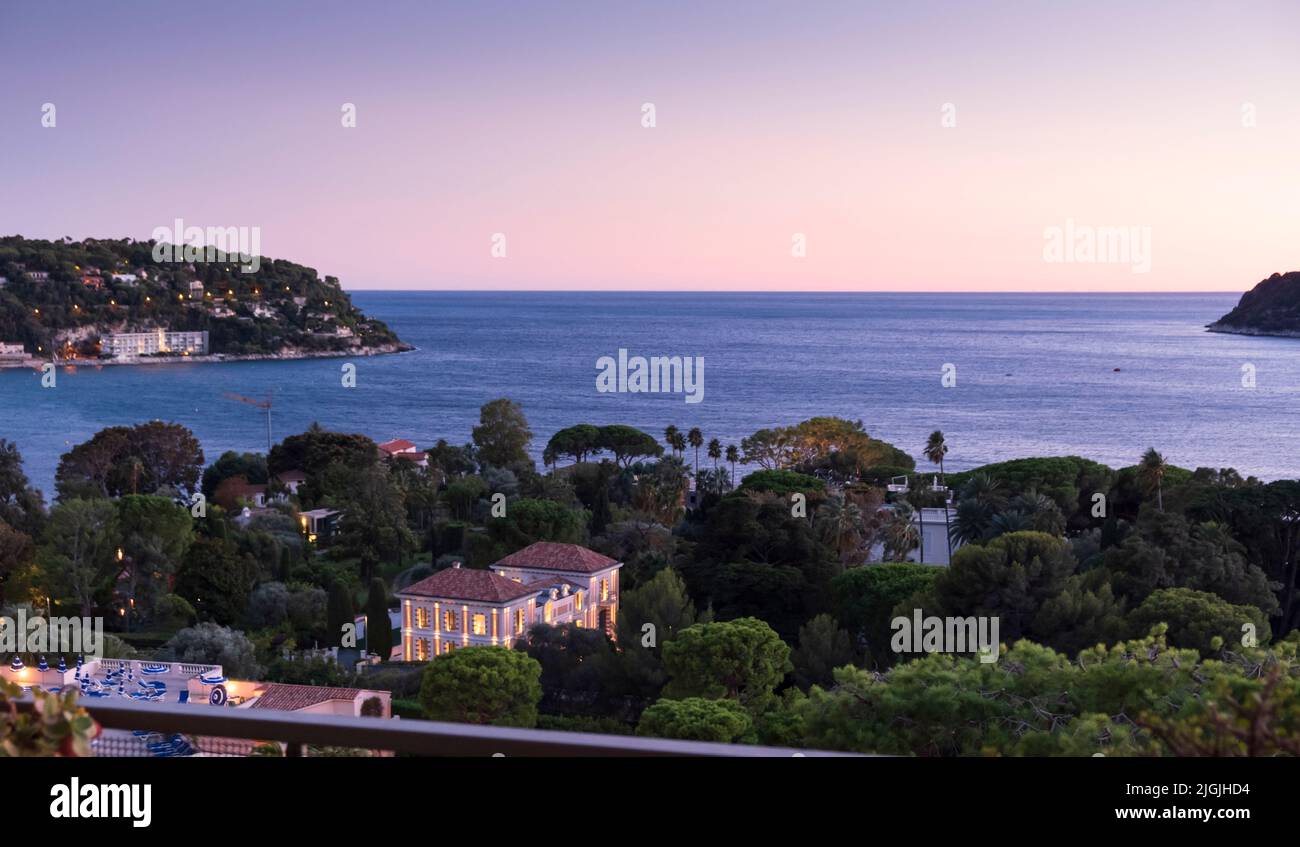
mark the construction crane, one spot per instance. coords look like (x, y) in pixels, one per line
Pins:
(261, 404)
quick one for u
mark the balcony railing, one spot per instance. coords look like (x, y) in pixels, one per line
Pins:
(135, 729)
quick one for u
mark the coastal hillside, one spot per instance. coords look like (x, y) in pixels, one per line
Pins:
(1270, 308)
(105, 299)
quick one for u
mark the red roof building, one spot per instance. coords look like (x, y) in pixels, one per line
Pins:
(400, 448)
(545, 583)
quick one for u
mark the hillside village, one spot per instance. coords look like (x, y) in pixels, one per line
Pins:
(109, 301)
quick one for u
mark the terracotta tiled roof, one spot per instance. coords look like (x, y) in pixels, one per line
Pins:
(553, 556)
(470, 584)
(397, 445)
(290, 698)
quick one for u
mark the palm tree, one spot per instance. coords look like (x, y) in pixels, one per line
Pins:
(696, 438)
(715, 451)
(985, 489)
(670, 436)
(733, 456)
(901, 535)
(713, 481)
(840, 524)
(1012, 520)
(1151, 470)
(679, 444)
(971, 523)
(935, 450)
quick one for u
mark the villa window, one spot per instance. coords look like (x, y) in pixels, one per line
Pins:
(577, 601)
(604, 590)
(449, 621)
(480, 624)
(421, 649)
(519, 621)
(422, 617)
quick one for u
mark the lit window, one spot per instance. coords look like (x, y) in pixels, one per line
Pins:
(480, 624)
(422, 617)
(604, 590)
(449, 621)
(577, 601)
(519, 621)
(421, 649)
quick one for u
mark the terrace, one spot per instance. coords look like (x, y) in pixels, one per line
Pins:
(154, 682)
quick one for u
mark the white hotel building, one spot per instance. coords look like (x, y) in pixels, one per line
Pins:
(546, 582)
(125, 345)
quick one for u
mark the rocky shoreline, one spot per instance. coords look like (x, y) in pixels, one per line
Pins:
(1272, 307)
(1250, 330)
(215, 358)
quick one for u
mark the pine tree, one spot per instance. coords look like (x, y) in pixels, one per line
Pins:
(379, 632)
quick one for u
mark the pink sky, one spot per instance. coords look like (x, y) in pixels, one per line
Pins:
(772, 119)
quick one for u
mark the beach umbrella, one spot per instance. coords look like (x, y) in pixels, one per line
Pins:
(153, 668)
(16, 664)
(63, 665)
(212, 680)
(42, 665)
(80, 659)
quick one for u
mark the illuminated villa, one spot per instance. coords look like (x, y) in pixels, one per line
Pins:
(546, 582)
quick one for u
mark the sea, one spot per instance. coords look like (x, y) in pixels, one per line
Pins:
(1103, 376)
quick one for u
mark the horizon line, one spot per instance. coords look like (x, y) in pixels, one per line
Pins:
(769, 291)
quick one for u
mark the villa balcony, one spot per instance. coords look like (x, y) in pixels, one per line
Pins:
(170, 730)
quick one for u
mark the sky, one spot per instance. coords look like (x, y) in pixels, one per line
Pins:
(806, 146)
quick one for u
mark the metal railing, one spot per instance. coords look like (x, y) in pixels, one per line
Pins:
(295, 732)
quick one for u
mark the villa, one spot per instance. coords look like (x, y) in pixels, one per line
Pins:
(291, 480)
(319, 524)
(400, 448)
(12, 350)
(546, 582)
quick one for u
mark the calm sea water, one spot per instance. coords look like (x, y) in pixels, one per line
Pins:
(1035, 376)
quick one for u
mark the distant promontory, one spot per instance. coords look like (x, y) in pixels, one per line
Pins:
(1270, 308)
(111, 301)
